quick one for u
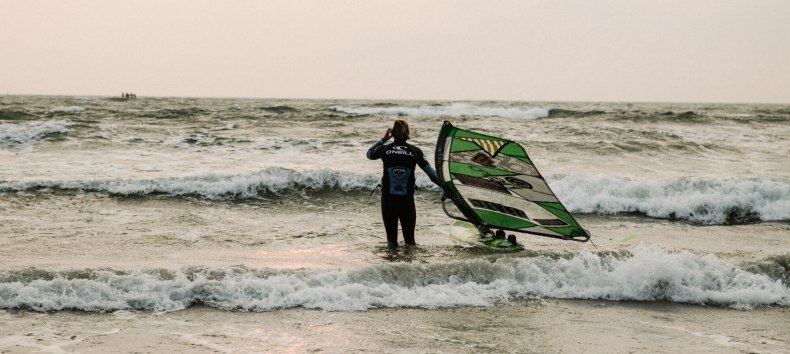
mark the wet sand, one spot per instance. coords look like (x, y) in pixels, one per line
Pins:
(534, 326)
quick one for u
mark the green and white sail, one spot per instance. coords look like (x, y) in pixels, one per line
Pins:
(494, 184)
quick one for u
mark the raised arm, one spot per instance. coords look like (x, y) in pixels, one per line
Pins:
(375, 151)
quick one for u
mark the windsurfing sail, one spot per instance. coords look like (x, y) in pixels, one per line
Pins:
(495, 185)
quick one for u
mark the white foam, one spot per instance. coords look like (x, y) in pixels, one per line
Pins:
(647, 275)
(270, 180)
(227, 126)
(653, 274)
(700, 200)
(452, 110)
(30, 132)
(68, 109)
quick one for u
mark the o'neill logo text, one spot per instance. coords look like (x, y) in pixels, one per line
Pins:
(398, 150)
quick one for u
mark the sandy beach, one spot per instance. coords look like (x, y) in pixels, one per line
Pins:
(529, 326)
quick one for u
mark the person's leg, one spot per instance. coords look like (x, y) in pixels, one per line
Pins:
(408, 220)
(389, 214)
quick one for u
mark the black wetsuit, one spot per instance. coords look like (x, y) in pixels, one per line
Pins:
(397, 186)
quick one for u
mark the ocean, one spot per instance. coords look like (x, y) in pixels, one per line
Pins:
(248, 225)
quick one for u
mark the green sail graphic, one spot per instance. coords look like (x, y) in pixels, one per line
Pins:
(494, 184)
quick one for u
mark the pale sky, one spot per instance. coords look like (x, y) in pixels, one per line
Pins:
(543, 50)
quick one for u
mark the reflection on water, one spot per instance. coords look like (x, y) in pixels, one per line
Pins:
(403, 254)
(324, 257)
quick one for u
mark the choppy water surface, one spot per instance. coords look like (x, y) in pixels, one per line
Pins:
(84, 178)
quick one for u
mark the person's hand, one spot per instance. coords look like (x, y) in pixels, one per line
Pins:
(387, 135)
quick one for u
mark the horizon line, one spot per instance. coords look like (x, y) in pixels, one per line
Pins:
(401, 99)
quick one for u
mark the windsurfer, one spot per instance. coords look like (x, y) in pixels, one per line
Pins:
(397, 184)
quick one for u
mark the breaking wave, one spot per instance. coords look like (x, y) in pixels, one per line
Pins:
(31, 132)
(220, 187)
(451, 110)
(646, 275)
(708, 201)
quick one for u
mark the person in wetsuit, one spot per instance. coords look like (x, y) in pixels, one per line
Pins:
(397, 184)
